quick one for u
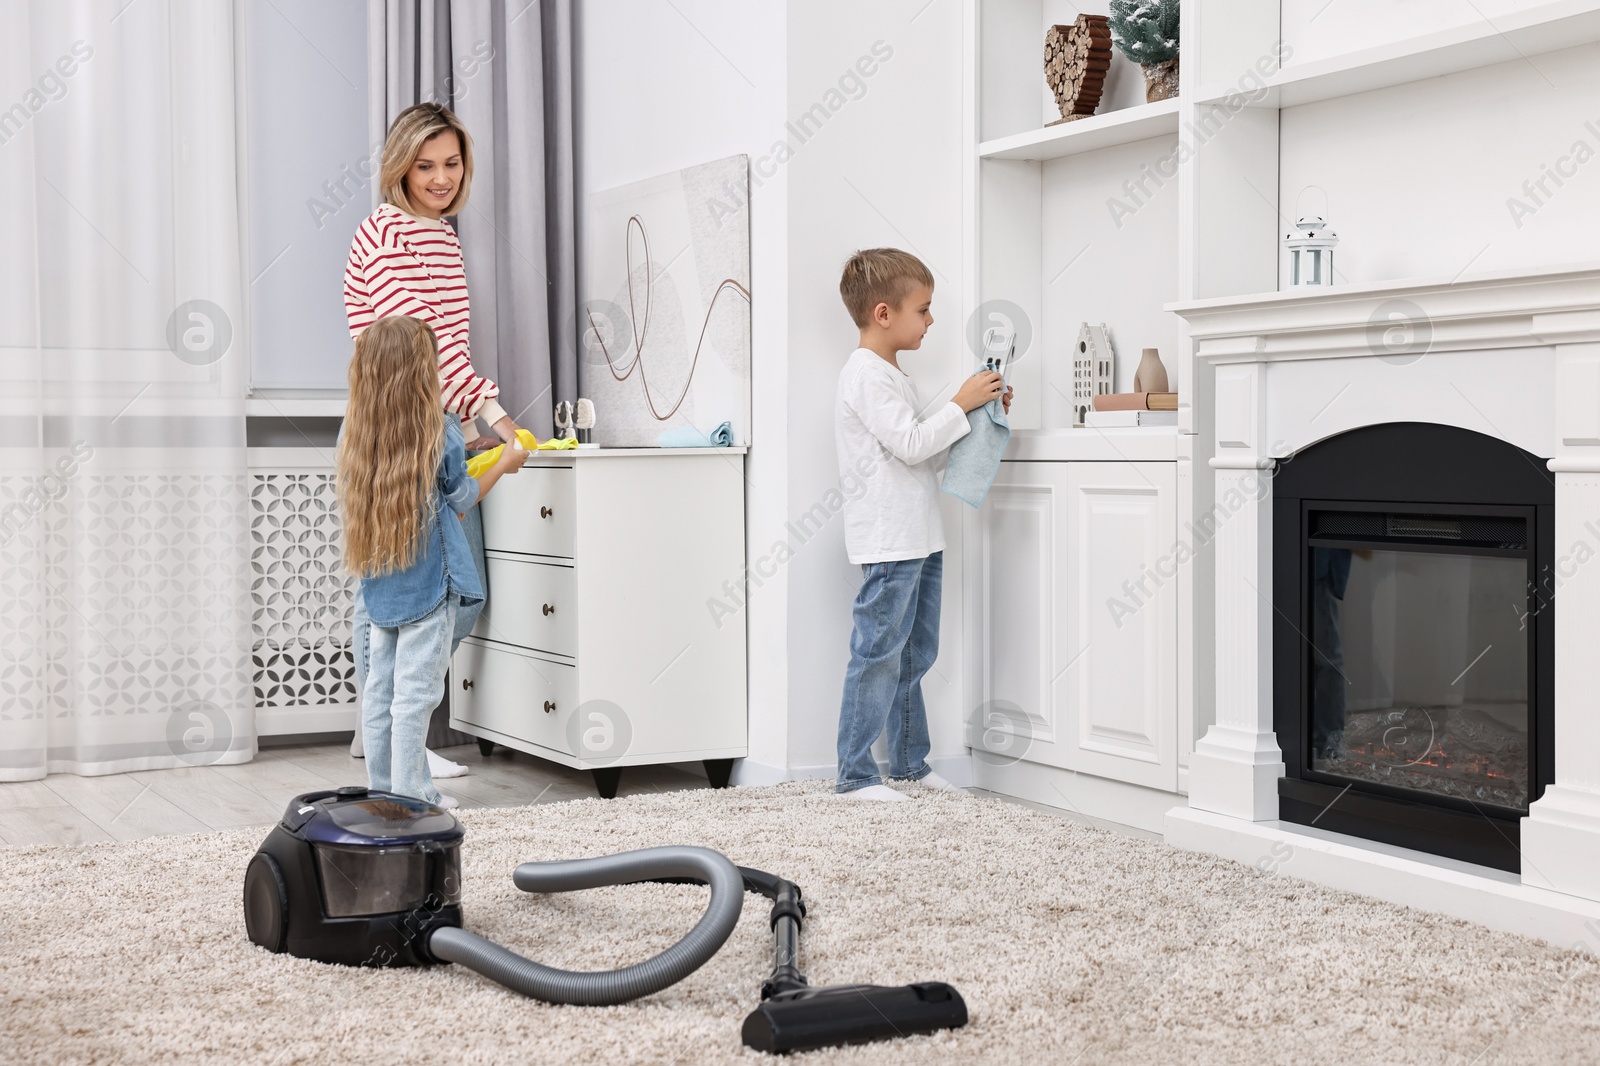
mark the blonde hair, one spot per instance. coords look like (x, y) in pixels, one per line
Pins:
(388, 457)
(880, 275)
(411, 129)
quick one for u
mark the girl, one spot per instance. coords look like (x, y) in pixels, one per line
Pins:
(405, 260)
(402, 480)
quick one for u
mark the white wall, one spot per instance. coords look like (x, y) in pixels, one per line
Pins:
(661, 87)
(1419, 177)
(664, 86)
(885, 169)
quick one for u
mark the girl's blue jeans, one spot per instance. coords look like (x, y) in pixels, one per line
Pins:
(405, 682)
(893, 644)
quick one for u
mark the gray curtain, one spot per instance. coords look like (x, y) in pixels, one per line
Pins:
(504, 67)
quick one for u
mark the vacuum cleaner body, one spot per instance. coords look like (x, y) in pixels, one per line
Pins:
(356, 877)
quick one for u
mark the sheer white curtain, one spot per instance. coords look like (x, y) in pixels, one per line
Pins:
(125, 606)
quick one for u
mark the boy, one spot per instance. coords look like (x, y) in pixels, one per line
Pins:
(893, 528)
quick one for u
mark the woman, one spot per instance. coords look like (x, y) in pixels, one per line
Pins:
(406, 260)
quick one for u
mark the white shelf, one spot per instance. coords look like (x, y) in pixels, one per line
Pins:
(1543, 28)
(1087, 134)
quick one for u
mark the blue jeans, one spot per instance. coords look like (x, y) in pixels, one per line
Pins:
(405, 683)
(466, 617)
(894, 643)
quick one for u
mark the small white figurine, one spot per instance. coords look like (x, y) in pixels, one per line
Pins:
(1094, 369)
(583, 421)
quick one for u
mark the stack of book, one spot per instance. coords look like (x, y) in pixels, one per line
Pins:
(1118, 409)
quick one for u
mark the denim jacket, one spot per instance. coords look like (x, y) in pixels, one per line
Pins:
(444, 562)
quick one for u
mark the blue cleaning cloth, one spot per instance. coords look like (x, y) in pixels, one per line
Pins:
(975, 459)
(689, 437)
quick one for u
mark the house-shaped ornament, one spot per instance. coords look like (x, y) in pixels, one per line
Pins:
(1094, 369)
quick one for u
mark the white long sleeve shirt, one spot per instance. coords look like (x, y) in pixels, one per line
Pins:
(885, 446)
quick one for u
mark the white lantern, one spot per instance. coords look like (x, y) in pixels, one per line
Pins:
(1310, 251)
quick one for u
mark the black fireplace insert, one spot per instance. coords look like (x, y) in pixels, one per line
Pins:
(1413, 639)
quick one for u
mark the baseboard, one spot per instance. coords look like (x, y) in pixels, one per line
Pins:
(1431, 883)
(321, 718)
(749, 772)
(296, 740)
(1096, 798)
(957, 769)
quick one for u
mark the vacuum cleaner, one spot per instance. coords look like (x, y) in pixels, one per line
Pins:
(361, 877)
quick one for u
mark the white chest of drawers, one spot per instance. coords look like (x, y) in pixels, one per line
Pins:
(610, 637)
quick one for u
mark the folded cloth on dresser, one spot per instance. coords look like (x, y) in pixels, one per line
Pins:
(477, 464)
(975, 459)
(689, 437)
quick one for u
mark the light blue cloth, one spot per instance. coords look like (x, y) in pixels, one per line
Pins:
(689, 437)
(975, 459)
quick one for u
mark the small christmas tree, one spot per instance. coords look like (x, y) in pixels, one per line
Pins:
(1146, 31)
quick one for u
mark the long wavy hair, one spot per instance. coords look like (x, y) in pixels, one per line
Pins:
(389, 455)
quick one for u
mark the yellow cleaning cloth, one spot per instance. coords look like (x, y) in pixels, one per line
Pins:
(477, 464)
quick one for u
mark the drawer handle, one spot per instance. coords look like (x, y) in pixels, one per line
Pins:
(548, 706)
(549, 610)
(545, 512)
(466, 683)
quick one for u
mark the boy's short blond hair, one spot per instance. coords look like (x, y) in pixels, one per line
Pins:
(876, 276)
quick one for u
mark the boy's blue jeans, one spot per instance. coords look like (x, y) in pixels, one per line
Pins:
(893, 644)
(405, 682)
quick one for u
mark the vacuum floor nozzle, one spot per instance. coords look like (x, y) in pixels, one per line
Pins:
(852, 1014)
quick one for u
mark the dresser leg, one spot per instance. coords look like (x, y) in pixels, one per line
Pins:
(606, 779)
(718, 770)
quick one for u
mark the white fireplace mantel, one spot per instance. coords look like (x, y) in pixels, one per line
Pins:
(1481, 353)
(1512, 355)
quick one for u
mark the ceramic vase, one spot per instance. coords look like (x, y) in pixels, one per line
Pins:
(1151, 375)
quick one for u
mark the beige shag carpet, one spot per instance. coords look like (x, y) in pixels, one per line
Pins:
(1070, 945)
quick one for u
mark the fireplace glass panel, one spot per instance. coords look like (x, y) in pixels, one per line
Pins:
(1419, 672)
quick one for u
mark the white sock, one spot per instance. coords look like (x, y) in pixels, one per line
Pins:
(933, 780)
(439, 766)
(447, 803)
(874, 792)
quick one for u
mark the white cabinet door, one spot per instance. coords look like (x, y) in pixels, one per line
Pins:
(1079, 672)
(1118, 694)
(1023, 635)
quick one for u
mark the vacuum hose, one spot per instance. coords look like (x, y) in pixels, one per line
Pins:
(607, 987)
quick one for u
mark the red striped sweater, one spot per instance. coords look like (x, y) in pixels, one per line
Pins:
(403, 265)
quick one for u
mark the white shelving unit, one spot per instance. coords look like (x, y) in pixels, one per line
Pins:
(1521, 34)
(1107, 219)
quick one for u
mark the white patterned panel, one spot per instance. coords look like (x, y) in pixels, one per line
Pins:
(119, 595)
(301, 592)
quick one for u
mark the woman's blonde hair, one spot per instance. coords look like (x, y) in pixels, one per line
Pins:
(411, 129)
(389, 454)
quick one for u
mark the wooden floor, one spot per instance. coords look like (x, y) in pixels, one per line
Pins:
(64, 809)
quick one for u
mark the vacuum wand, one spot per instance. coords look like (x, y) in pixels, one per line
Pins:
(793, 1016)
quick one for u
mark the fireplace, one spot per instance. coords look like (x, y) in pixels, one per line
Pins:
(1413, 639)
